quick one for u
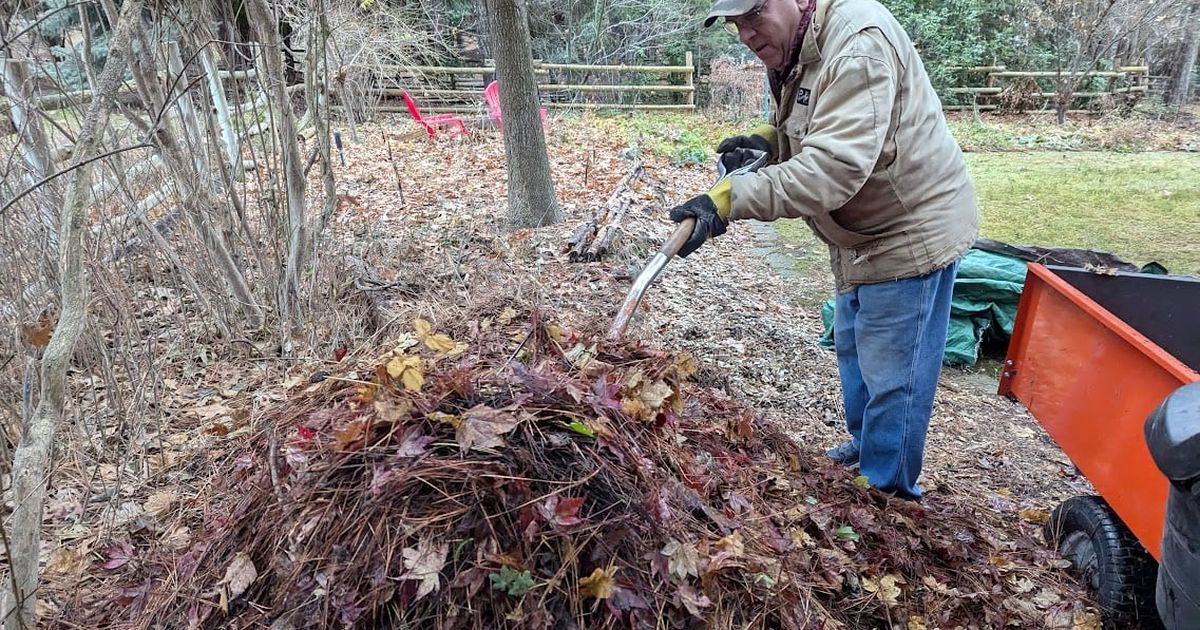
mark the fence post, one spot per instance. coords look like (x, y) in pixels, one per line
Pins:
(691, 78)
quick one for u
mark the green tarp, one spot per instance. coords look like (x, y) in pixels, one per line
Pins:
(986, 293)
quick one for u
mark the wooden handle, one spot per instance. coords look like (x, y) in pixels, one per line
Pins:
(679, 237)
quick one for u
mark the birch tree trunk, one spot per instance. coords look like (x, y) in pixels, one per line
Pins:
(531, 201)
(217, 92)
(32, 459)
(271, 49)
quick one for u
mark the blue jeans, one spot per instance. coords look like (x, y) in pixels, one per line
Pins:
(890, 338)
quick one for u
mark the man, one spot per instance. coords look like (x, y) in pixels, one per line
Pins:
(861, 152)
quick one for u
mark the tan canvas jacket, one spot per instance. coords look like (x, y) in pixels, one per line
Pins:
(865, 156)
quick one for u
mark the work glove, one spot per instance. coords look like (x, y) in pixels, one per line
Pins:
(711, 211)
(733, 155)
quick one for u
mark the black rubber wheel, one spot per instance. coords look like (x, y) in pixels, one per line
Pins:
(1112, 563)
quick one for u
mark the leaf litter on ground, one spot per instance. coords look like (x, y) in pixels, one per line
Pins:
(454, 503)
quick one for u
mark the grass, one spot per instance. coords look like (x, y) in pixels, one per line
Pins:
(1141, 206)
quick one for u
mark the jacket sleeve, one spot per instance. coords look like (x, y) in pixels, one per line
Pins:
(845, 139)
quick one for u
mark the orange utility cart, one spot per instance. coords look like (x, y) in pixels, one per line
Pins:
(1092, 354)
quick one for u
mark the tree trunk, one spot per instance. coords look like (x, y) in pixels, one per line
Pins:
(317, 79)
(293, 167)
(32, 459)
(486, 39)
(1181, 83)
(217, 92)
(34, 144)
(531, 201)
(196, 196)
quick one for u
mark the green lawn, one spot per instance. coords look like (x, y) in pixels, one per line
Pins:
(1141, 206)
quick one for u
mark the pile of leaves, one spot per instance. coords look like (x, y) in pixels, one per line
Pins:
(510, 473)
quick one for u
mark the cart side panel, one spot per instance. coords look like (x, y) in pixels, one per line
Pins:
(1163, 308)
(1092, 388)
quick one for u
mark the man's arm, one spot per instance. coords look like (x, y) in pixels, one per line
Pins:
(844, 142)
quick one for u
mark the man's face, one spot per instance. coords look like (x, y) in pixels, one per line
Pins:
(769, 29)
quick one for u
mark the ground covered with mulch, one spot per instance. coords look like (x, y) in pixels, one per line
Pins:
(481, 460)
(569, 484)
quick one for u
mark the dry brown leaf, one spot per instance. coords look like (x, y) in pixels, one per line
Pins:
(732, 544)
(178, 539)
(1034, 515)
(66, 560)
(481, 427)
(37, 335)
(916, 622)
(239, 575)
(409, 369)
(425, 563)
(683, 559)
(598, 585)
(349, 435)
(422, 327)
(393, 410)
(506, 315)
(160, 503)
(886, 588)
(441, 344)
(655, 394)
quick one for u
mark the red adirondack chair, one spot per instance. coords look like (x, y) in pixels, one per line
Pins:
(453, 124)
(491, 94)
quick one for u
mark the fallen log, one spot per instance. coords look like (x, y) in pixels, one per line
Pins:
(596, 237)
(602, 244)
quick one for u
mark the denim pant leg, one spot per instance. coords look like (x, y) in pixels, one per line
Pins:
(900, 337)
(854, 390)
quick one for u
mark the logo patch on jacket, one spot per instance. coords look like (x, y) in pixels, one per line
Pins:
(802, 96)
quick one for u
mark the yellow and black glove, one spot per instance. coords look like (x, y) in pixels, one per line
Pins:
(711, 211)
(761, 138)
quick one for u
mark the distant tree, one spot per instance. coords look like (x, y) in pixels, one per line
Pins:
(951, 33)
(1082, 34)
(531, 201)
(1181, 82)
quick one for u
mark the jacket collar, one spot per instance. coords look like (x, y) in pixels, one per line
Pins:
(810, 49)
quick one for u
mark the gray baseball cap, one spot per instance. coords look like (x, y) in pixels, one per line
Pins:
(729, 8)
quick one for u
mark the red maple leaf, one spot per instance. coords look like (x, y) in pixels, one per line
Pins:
(561, 511)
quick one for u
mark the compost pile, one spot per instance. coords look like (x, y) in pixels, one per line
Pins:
(511, 473)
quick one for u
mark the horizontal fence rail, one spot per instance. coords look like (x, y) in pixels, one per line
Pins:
(459, 89)
(1024, 90)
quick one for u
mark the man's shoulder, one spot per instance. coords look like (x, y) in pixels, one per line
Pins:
(848, 17)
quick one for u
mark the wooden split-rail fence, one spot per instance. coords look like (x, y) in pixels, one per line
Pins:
(1032, 90)
(459, 89)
